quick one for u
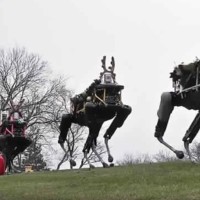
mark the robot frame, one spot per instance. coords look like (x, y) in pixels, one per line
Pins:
(104, 103)
(12, 137)
(195, 125)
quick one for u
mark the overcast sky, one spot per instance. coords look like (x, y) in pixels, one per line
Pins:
(146, 37)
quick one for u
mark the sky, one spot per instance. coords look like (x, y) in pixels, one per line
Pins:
(146, 37)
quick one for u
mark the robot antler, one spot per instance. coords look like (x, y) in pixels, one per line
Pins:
(112, 67)
(104, 63)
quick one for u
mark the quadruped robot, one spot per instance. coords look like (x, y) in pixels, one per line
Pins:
(182, 88)
(12, 137)
(102, 101)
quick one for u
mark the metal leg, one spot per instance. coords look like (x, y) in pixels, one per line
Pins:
(191, 134)
(98, 156)
(88, 160)
(65, 124)
(110, 158)
(67, 154)
(117, 121)
(193, 129)
(186, 145)
(179, 154)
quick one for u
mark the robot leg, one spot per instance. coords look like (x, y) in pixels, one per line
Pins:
(91, 142)
(88, 144)
(164, 112)
(65, 124)
(118, 121)
(92, 137)
(191, 134)
(193, 129)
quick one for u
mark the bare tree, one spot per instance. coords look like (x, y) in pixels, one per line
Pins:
(164, 156)
(26, 76)
(130, 159)
(20, 74)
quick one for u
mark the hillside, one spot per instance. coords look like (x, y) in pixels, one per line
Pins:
(167, 181)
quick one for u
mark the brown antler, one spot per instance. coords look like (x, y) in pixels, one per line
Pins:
(112, 64)
(104, 63)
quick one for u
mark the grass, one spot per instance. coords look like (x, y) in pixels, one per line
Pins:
(167, 181)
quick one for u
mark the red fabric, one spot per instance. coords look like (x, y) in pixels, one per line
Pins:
(2, 165)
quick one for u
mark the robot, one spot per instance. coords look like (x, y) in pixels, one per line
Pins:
(100, 102)
(12, 137)
(185, 79)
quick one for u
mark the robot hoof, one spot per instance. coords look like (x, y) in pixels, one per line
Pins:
(110, 158)
(73, 163)
(179, 154)
(105, 165)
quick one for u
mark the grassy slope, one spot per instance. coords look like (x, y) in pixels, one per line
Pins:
(167, 181)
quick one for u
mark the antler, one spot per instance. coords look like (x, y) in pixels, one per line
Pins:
(112, 67)
(104, 63)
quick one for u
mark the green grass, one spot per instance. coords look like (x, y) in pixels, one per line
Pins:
(167, 181)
